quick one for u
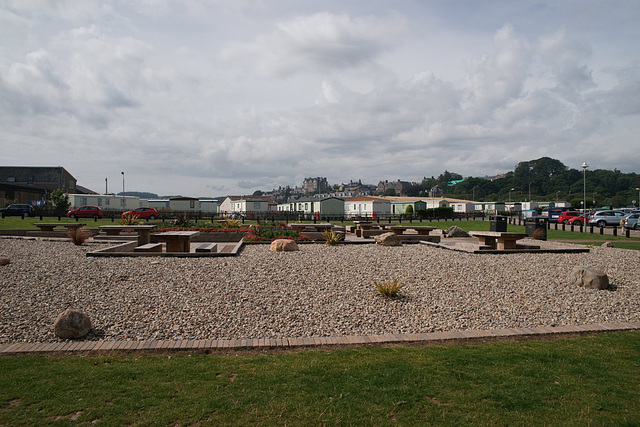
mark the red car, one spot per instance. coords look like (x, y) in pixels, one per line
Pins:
(85, 212)
(577, 220)
(143, 213)
(566, 216)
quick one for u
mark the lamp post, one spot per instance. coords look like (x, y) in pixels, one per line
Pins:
(530, 191)
(106, 186)
(638, 202)
(123, 203)
(584, 194)
(510, 195)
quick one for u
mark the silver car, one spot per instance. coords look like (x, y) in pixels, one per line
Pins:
(604, 218)
(631, 220)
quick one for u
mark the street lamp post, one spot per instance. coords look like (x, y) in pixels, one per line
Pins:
(584, 194)
(510, 195)
(530, 192)
(106, 186)
(123, 202)
(638, 202)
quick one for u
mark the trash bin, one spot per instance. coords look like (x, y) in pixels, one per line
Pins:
(536, 227)
(498, 223)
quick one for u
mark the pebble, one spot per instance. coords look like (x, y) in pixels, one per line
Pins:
(314, 292)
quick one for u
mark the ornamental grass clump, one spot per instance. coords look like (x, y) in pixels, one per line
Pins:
(332, 238)
(130, 219)
(390, 288)
(78, 236)
(231, 223)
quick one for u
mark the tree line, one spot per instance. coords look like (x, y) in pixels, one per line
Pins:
(544, 179)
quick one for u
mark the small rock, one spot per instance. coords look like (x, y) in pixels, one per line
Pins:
(589, 278)
(283, 245)
(388, 239)
(4, 261)
(607, 244)
(455, 231)
(72, 324)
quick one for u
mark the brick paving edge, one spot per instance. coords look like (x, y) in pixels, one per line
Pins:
(71, 347)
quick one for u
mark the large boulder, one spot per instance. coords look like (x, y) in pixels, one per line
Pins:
(388, 239)
(283, 245)
(4, 261)
(72, 324)
(589, 278)
(455, 231)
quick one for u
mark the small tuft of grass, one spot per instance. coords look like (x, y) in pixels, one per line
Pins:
(390, 288)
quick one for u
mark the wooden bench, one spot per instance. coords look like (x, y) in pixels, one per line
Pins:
(43, 226)
(207, 247)
(498, 240)
(144, 231)
(149, 247)
(421, 230)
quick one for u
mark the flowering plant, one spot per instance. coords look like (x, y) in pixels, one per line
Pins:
(269, 234)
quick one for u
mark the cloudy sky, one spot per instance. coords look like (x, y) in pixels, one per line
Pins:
(211, 98)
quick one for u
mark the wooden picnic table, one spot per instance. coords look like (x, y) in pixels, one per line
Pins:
(144, 231)
(177, 241)
(45, 226)
(497, 239)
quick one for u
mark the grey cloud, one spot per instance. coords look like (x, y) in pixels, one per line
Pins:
(320, 42)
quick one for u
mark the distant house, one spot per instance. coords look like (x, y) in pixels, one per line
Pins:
(367, 206)
(246, 205)
(107, 202)
(184, 204)
(326, 207)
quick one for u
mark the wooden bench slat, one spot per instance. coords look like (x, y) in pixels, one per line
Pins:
(149, 247)
(207, 247)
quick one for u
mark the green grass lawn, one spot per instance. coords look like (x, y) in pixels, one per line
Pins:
(595, 239)
(572, 381)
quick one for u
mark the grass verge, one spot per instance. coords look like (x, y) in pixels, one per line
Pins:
(571, 381)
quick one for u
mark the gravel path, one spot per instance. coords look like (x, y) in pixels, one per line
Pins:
(317, 291)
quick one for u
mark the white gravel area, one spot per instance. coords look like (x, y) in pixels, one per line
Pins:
(316, 291)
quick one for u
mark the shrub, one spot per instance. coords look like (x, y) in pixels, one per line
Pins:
(390, 288)
(78, 236)
(332, 238)
(130, 219)
(181, 221)
(231, 223)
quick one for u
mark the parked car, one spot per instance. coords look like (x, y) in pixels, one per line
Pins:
(577, 220)
(604, 218)
(631, 221)
(566, 216)
(85, 212)
(17, 210)
(143, 213)
(553, 213)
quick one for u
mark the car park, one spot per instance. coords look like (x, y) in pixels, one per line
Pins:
(566, 216)
(605, 218)
(17, 209)
(85, 212)
(631, 220)
(142, 213)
